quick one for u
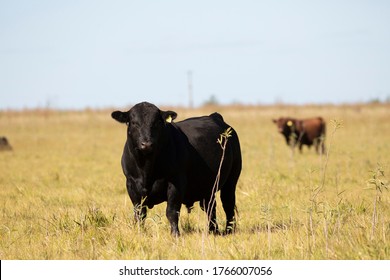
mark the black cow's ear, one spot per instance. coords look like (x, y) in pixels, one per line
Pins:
(122, 117)
(168, 116)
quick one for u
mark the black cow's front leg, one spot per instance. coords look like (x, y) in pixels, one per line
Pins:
(173, 209)
(140, 210)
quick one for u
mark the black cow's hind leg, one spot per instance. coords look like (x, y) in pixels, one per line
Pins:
(228, 198)
(210, 207)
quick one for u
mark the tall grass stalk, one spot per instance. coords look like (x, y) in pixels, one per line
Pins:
(336, 125)
(326, 237)
(379, 184)
(222, 141)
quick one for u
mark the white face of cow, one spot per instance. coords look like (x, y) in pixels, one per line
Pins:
(146, 125)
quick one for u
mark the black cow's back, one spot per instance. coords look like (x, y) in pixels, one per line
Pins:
(205, 154)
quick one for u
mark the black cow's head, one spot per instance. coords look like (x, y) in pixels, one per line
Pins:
(146, 124)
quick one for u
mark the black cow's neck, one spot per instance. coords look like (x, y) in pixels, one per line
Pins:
(150, 166)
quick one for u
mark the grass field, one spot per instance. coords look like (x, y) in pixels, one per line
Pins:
(63, 196)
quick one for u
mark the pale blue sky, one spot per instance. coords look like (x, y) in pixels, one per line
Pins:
(76, 54)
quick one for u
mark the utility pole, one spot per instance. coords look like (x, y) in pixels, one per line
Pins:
(190, 90)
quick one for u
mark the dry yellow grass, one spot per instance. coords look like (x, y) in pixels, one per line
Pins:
(62, 192)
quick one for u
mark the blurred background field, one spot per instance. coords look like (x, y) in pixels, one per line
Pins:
(63, 196)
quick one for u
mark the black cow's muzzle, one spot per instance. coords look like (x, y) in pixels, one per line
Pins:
(146, 147)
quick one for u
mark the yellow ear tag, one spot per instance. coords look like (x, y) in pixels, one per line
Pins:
(289, 123)
(169, 119)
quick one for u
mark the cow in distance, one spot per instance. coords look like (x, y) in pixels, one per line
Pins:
(4, 144)
(301, 132)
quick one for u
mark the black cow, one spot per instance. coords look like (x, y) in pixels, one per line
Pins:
(303, 132)
(178, 163)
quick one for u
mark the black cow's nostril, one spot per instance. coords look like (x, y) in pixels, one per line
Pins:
(146, 146)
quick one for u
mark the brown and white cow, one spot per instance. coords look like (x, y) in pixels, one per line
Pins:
(303, 132)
